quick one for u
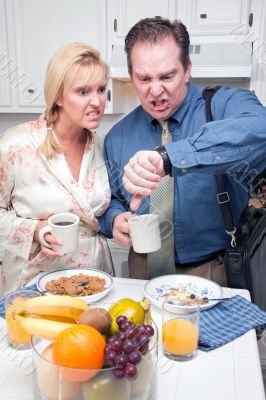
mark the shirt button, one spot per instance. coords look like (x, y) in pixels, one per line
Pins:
(183, 162)
(184, 170)
(218, 158)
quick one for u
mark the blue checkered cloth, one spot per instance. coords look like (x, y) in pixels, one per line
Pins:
(227, 321)
(2, 303)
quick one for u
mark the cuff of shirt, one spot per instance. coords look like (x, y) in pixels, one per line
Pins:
(181, 154)
(106, 221)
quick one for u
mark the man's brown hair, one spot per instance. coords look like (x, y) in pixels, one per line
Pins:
(151, 30)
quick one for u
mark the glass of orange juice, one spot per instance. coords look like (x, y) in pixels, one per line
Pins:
(18, 338)
(180, 330)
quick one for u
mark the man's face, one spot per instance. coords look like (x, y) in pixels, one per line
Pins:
(158, 77)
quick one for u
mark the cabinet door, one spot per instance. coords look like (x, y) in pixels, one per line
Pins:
(42, 27)
(7, 63)
(123, 14)
(215, 17)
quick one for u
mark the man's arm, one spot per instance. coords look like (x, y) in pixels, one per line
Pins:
(236, 136)
(235, 140)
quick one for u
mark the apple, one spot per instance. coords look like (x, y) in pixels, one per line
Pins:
(106, 386)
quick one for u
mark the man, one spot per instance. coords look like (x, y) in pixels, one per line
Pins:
(234, 143)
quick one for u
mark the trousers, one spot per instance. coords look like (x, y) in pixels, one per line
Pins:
(212, 269)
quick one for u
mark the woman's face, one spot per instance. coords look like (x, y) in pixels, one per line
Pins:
(83, 103)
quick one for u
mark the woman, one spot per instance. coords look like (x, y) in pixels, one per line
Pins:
(55, 164)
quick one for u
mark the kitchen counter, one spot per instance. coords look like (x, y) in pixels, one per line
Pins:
(231, 372)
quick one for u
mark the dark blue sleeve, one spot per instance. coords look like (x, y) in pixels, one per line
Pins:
(119, 197)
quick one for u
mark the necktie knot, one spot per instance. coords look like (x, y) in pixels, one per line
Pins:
(166, 134)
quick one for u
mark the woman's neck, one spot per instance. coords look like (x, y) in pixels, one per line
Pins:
(69, 134)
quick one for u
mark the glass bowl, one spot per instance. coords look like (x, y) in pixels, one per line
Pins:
(53, 382)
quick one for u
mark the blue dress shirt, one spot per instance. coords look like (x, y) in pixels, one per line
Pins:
(233, 144)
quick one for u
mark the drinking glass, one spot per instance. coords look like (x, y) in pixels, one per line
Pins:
(18, 338)
(180, 330)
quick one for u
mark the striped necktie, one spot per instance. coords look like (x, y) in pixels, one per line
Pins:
(162, 262)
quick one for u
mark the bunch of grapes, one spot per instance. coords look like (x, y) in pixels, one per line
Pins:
(124, 350)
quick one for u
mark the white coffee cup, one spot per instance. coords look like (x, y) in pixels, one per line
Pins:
(145, 233)
(65, 227)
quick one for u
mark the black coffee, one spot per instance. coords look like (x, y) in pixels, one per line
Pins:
(63, 223)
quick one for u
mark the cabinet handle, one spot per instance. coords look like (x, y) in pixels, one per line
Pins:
(109, 95)
(31, 91)
(203, 16)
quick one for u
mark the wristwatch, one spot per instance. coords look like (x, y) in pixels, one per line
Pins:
(166, 160)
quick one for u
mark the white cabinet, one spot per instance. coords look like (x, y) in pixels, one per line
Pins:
(36, 30)
(5, 60)
(123, 14)
(215, 17)
(41, 28)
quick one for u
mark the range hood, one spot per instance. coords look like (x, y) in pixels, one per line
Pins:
(209, 60)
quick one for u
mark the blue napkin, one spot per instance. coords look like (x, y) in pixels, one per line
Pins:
(2, 303)
(227, 321)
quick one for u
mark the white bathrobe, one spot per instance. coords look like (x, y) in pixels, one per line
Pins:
(33, 188)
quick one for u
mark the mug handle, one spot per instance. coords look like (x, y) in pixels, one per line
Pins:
(42, 232)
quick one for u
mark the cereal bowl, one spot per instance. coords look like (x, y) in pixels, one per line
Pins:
(183, 288)
(88, 284)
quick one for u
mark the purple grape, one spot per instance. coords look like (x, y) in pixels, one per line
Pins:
(140, 330)
(122, 336)
(134, 357)
(131, 371)
(143, 340)
(121, 360)
(121, 320)
(116, 345)
(126, 326)
(144, 348)
(119, 373)
(110, 358)
(128, 346)
(130, 333)
(149, 330)
(135, 343)
(110, 340)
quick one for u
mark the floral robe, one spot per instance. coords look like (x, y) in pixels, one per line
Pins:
(33, 188)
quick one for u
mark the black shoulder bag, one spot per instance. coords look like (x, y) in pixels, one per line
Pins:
(245, 257)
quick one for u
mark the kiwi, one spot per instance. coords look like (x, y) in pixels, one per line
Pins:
(96, 317)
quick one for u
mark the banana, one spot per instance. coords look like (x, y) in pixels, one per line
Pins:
(44, 328)
(147, 307)
(54, 305)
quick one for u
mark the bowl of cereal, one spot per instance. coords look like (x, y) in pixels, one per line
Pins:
(185, 289)
(89, 284)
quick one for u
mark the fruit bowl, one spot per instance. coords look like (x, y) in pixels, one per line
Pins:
(53, 382)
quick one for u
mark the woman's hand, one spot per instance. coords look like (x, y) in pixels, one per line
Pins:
(49, 238)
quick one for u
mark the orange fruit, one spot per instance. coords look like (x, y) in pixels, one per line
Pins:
(79, 347)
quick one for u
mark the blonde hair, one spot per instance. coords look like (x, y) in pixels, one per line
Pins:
(61, 71)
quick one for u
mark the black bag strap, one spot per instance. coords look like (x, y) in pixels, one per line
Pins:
(222, 196)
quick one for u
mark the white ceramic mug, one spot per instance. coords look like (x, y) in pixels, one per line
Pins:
(145, 233)
(65, 227)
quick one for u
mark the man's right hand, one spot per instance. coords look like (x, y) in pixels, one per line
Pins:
(121, 230)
